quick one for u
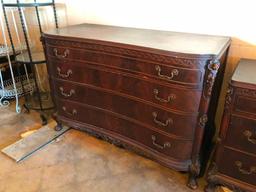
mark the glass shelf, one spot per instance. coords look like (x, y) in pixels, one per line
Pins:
(33, 103)
(37, 58)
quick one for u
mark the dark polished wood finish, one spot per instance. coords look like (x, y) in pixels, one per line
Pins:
(154, 92)
(234, 163)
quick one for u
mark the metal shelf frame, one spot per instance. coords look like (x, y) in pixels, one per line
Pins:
(28, 4)
(29, 53)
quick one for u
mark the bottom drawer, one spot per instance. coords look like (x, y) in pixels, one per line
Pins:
(236, 165)
(175, 148)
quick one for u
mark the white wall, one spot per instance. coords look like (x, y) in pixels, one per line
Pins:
(224, 17)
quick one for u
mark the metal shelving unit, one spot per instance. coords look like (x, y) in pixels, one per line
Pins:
(38, 99)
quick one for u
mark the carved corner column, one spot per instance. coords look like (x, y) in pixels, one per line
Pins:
(195, 167)
(212, 178)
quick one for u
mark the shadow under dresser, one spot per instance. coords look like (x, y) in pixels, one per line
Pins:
(234, 162)
(153, 92)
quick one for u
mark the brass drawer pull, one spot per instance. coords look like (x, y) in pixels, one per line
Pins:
(169, 98)
(71, 92)
(166, 144)
(167, 122)
(249, 134)
(60, 56)
(174, 72)
(73, 113)
(243, 171)
(68, 74)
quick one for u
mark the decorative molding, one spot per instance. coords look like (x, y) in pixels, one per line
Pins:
(246, 92)
(194, 171)
(211, 175)
(203, 119)
(195, 167)
(228, 99)
(215, 180)
(117, 142)
(174, 60)
(212, 69)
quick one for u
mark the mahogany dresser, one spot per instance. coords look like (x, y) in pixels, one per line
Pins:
(234, 164)
(153, 92)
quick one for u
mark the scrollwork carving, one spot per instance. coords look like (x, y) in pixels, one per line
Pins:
(181, 60)
(228, 97)
(212, 69)
(117, 142)
(203, 119)
(215, 180)
(194, 171)
(246, 92)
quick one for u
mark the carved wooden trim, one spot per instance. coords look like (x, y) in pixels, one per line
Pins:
(181, 60)
(228, 99)
(117, 142)
(214, 179)
(203, 119)
(212, 69)
(194, 171)
(246, 92)
(211, 175)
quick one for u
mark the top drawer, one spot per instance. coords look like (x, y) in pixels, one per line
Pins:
(171, 73)
(245, 104)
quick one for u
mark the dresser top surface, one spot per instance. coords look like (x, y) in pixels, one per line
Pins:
(156, 39)
(245, 72)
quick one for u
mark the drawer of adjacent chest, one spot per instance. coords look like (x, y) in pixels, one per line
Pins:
(171, 122)
(242, 134)
(177, 149)
(141, 87)
(237, 165)
(169, 73)
(245, 104)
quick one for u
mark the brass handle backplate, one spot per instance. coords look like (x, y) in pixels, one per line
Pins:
(68, 73)
(71, 92)
(61, 56)
(73, 113)
(169, 98)
(249, 135)
(165, 145)
(174, 72)
(167, 122)
(243, 171)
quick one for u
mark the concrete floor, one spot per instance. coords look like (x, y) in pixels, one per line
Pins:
(78, 162)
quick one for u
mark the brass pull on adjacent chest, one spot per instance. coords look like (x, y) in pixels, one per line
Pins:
(243, 171)
(71, 92)
(249, 135)
(165, 145)
(64, 75)
(167, 122)
(174, 72)
(168, 100)
(61, 56)
(73, 113)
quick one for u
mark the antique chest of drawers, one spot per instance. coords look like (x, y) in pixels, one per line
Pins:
(234, 162)
(154, 92)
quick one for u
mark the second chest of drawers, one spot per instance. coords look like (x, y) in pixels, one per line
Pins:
(234, 162)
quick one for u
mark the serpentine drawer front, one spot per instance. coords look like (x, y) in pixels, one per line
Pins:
(155, 96)
(172, 73)
(234, 163)
(170, 96)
